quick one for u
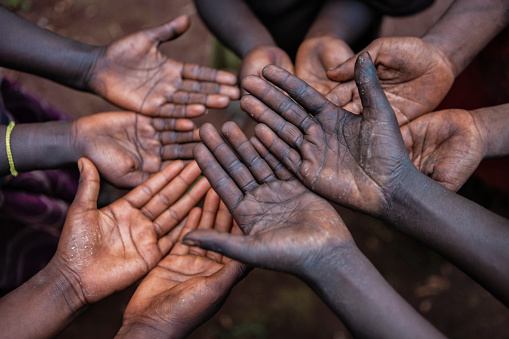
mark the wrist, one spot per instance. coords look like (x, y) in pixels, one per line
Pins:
(482, 127)
(493, 125)
(87, 69)
(444, 51)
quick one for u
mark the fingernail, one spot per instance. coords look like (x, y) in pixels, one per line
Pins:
(80, 165)
(190, 242)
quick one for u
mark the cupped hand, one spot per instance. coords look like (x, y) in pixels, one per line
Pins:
(354, 160)
(128, 148)
(414, 74)
(287, 227)
(445, 145)
(132, 73)
(189, 285)
(316, 56)
(107, 250)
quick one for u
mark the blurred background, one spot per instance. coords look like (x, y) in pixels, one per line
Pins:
(268, 304)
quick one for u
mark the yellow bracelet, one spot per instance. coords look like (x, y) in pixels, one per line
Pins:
(8, 148)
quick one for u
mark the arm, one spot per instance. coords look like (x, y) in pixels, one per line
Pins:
(494, 123)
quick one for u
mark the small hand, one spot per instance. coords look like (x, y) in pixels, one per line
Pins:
(287, 227)
(414, 74)
(445, 145)
(354, 160)
(128, 148)
(190, 284)
(133, 74)
(106, 250)
(318, 55)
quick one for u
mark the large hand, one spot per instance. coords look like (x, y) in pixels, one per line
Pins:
(106, 250)
(133, 74)
(286, 227)
(189, 285)
(316, 56)
(261, 56)
(414, 74)
(353, 160)
(128, 148)
(445, 145)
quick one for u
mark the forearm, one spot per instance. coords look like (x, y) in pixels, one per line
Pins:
(363, 300)
(41, 307)
(471, 237)
(28, 48)
(466, 27)
(234, 24)
(493, 123)
(38, 146)
(347, 20)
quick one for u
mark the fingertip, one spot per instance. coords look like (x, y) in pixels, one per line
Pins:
(226, 78)
(217, 101)
(229, 127)
(365, 71)
(195, 110)
(181, 23)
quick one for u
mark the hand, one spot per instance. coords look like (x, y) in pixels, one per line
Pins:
(353, 160)
(106, 250)
(190, 284)
(133, 74)
(445, 145)
(414, 74)
(287, 227)
(316, 56)
(128, 148)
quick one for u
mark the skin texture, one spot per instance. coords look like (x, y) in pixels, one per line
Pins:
(133, 73)
(102, 251)
(189, 285)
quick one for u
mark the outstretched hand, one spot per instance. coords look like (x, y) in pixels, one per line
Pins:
(189, 285)
(106, 250)
(414, 74)
(354, 160)
(132, 73)
(128, 148)
(445, 145)
(287, 227)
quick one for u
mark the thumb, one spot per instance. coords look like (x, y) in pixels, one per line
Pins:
(170, 30)
(237, 247)
(374, 102)
(88, 189)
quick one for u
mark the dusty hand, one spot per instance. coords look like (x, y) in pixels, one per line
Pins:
(132, 73)
(414, 75)
(128, 148)
(190, 284)
(445, 145)
(106, 250)
(353, 160)
(287, 227)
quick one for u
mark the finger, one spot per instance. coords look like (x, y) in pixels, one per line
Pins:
(223, 223)
(193, 219)
(277, 167)
(178, 211)
(208, 216)
(227, 158)
(284, 153)
(190, 98)
(181, 125)
(89, 185)
(143, 193)
(263, 114)
(166, 242)
(270, 97)
(197, 72)
(172, 137)
(247, 153)
(206, 87)
(180, 111)
(374, 102)
(219, 180)
(177, 151)
(169, 30)
(306, 96)
(170, 191)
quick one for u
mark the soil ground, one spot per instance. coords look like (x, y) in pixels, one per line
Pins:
(268, 304)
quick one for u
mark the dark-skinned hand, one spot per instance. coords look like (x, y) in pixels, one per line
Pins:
(189, 285)
(132, 73)
(445, 145)
(287, 227)
(414, 75)
(353, 160)
(128, 148)
(107, 250)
